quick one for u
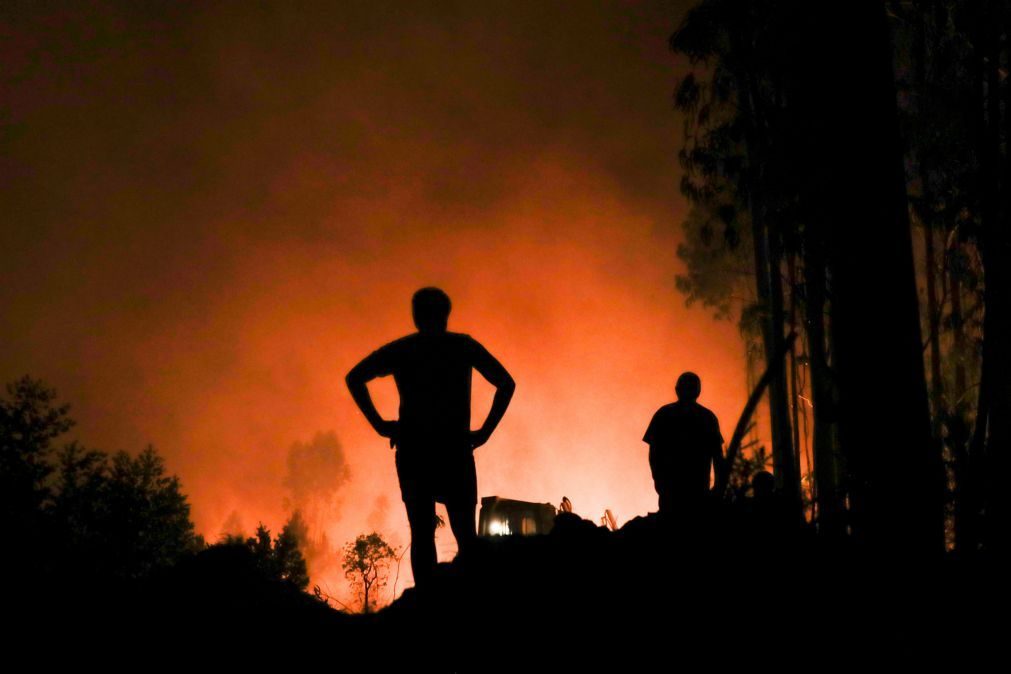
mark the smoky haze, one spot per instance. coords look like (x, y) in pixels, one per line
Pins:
(211, 213)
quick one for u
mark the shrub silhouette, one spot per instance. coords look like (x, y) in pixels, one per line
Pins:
(366, 565)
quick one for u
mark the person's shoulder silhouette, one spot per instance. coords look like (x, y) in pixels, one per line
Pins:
(679, 419)
(429, 352)
(433, 372)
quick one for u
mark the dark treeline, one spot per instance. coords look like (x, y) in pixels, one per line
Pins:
(74, 510)
(847, 167)
(100, 541)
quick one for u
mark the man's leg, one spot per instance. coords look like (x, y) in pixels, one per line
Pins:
(421, 516)
(462, 499)
(461, 521)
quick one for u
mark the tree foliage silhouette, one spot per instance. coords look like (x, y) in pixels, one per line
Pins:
(279, 558)
(366, 565)
(30, 420)
(85, 510)
(733, 179)
(121, 514)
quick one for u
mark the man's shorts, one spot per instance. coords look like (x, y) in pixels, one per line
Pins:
(446, 477)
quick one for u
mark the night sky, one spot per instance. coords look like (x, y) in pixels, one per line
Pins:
(211, 213)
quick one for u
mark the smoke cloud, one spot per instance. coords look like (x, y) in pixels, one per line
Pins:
(213, 211)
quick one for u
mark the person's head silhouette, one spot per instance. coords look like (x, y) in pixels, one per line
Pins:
(688, 387)
(430, 307)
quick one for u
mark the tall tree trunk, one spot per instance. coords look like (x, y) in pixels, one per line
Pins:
(827, 468)
(988, 451)
(896, 481)
(997, 299)
(938, 408)
(769, 283)
(770, 294)
(957, 427)
(971, 495)
(791, 266)
(957, 335)
(930, 256)
(934, 326)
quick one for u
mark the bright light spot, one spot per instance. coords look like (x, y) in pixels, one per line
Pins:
(499, 528)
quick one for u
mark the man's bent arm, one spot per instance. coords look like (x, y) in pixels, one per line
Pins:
(357, 380)
(505, 386)
(503, 394)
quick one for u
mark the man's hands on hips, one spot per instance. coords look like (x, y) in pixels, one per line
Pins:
(389, 429)
(478, 438)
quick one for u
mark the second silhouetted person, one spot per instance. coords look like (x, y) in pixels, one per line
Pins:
(684, 443)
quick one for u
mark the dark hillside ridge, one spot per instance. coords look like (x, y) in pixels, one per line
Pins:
(699, 590)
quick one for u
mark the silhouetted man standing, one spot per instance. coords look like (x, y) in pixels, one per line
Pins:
(684, 441)
(433, 438)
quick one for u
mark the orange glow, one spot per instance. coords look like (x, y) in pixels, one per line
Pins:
(199, 266)
(574, 296)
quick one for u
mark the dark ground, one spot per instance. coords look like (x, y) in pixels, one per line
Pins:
(725, 591)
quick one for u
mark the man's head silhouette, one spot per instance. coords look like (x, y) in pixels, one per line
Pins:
(688, 387)
(430, 307)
